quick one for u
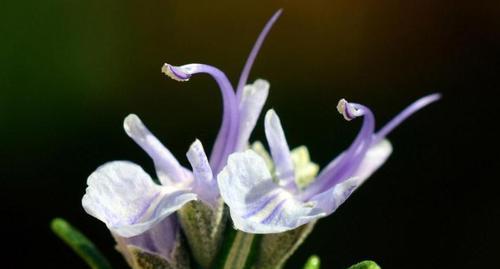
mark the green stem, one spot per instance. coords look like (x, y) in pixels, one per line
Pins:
(239, 250)
(80, 244)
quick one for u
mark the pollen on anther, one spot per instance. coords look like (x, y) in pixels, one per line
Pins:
(348, 110)
(175, 73)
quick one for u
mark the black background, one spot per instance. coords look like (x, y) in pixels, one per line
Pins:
(70, 71)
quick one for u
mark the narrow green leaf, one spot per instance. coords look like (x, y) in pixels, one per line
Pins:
(313, 263)
(80, 244)
(365, 265)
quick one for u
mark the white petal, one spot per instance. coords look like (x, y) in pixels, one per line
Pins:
(124, 197)
(253, 99)
(162, 239)
(375, 157)
(331, 199)
(167, 167)
(279, 149)
(204, 183)
(256, 203)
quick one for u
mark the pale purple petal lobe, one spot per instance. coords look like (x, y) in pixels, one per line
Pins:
(257, 204)
(252, 101)
(167, 167)
(279, 150)
(204, 183)
(125, 198)
(331, 199)
(161, 239)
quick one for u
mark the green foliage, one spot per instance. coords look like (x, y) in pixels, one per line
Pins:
(313, 263)
(365, 265)
(80, 244)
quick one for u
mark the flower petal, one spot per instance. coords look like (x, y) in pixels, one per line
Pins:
(167, 167)
(252, 101)
(204, 183)
(124, 197)
(161, 239)
(374, 158)
(256, 203)
(279, 150)
(331, 199)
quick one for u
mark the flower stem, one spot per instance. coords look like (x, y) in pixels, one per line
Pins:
(239, 250)
(80, 244)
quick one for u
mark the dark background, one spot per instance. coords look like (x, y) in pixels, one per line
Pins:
(70, 71)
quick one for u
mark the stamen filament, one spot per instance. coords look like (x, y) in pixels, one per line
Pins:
(226, 138)
(349, 161)
(403, 115)
(253, 54)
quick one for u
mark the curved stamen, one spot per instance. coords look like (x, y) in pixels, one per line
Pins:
(340, 169)
(360, 146)
(348, 162)
(226, 138)
(175, 72)
(349, 111)
(403, 115)
(254, 52)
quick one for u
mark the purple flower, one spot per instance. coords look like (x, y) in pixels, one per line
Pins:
(133, 207)
(241, 106)
(265, 199)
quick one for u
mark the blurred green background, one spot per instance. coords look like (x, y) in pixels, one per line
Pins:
(70, 71)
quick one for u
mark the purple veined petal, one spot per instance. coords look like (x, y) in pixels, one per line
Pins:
(167, 167)
(226, 138)
(403, 115)
(204, 183)
(253, 99)
(253, 54)
(341, 168)
(161, 239)
(257, 204)
(279, 150)
(330, 199)
(123, 196)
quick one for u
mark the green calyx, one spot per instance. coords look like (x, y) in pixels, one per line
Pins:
(275, 249)
(203, 227)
